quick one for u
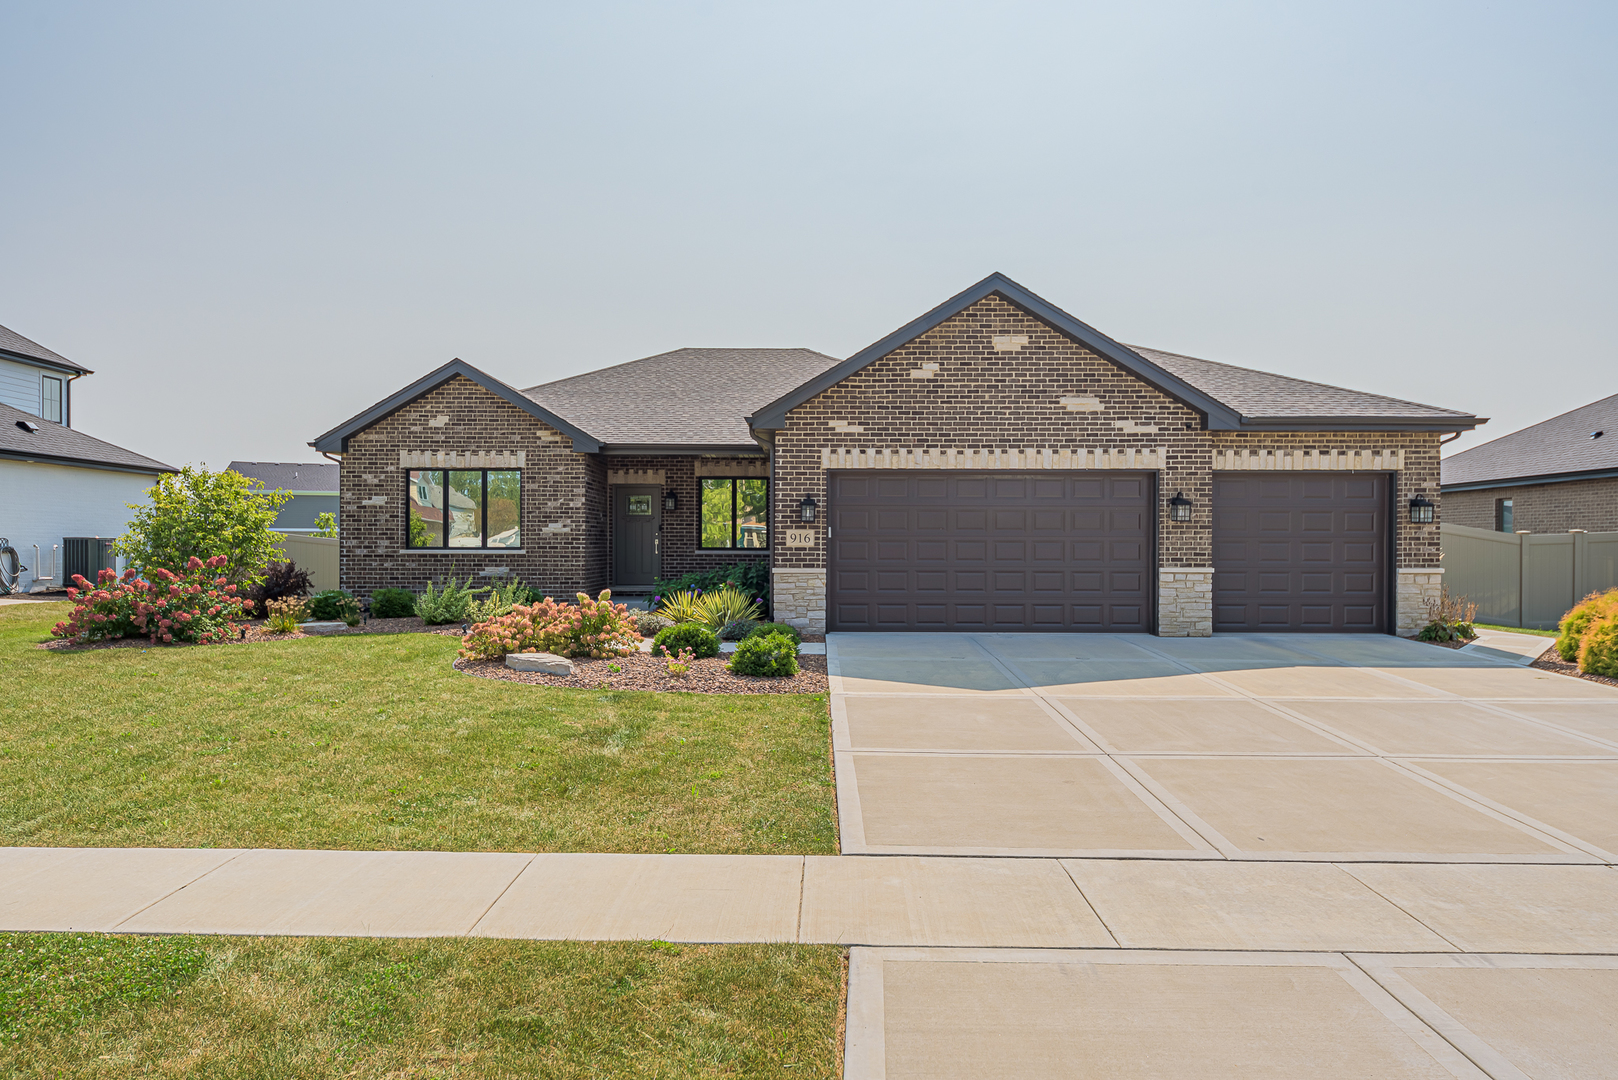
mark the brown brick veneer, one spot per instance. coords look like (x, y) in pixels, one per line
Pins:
(681, 528)
(1591, 505)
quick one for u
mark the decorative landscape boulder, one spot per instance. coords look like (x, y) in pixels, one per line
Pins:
(322, 627)
(544, 662)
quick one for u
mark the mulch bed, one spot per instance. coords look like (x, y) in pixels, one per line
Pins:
(1550, 660)
(644, 672)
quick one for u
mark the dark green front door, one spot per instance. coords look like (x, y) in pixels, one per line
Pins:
(637, 515)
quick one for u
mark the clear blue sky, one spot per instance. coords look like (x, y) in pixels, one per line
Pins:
(255, 221)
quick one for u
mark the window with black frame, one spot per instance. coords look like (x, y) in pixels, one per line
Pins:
(465, 508)
(735, 513)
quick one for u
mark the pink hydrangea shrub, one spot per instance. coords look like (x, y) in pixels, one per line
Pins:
(595, 628)
(198, 607)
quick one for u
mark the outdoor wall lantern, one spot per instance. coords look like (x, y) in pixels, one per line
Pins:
(671, 501)
(1421, 511)
(1179, 507)
(807, 508)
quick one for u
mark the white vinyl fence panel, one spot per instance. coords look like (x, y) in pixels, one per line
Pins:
(316, 554)
(1527, 579)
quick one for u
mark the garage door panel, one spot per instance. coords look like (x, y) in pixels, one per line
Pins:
(1301, 553)
(1001, 551)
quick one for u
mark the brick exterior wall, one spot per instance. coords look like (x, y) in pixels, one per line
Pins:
(1591, 505)
(681, 550)
(953, 388)
(563, 515)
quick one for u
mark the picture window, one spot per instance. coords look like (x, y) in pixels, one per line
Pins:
(465, 508)
(735, 513)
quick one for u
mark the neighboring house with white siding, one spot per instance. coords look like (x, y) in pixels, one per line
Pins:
(57, 482)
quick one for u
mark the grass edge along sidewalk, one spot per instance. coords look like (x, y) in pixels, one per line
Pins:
(377, 743)
(89, 1005)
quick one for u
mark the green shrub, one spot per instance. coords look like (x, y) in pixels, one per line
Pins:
(441, 606)
(333, 605)
(1598, 652)
(772, 655)
(393, 604)
(206, 515)
(648, 623)
(777, 628)
(724, 605)
(680, 607)
(737, 629)
(1576, 623)
(702, 642)
(500, 601)
(751, 577)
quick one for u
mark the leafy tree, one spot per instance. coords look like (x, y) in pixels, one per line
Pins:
(326, 525)
(204, 514)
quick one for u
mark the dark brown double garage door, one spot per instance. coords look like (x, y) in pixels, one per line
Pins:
(990, 551)
(1075, 551)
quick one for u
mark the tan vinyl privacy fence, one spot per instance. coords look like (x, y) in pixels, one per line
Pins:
(1527, 579)
(316, 554)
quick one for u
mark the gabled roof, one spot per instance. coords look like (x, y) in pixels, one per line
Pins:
(1232, 398)
(291, 475)
(1278, 402)
(1560, 448)
(335, 441)
(773, 416)
(16, 345)
(688, 400)
(54, 444)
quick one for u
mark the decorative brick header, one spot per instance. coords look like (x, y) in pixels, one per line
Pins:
(648, 477)
(1260, 459)
(1023, 460)
(467, 459)
(760, 468)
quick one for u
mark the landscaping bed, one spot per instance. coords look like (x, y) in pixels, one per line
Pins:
(642, 671)
(1550, 660)
(114, 1006)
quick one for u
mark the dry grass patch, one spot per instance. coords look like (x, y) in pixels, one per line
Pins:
(322, 1007)
(377, 743)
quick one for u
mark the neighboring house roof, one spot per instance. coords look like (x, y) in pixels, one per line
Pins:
(302, 477)
(17, 345)
(1232, 398)
(335, 441)
(57, 445)
(1560, 448)
(1263, 398)
(688, 399)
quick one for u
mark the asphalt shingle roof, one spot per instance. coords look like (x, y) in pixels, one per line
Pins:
(291, 475)
(1259, 395)
(688, 397)
(1561, 444)
(58, 443)
(13, 342)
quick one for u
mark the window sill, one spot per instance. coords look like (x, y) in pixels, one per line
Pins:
(463, 551)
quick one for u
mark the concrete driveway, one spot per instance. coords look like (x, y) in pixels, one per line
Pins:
(1222, 805)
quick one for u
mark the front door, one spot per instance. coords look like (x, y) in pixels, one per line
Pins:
(636, 519)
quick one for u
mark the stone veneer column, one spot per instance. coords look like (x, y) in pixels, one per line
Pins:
(1185, 601)
(1416, 586)
(798, 598)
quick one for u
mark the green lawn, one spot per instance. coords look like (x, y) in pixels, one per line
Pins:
(1515, 629)
(375, 742)
(114, 1007)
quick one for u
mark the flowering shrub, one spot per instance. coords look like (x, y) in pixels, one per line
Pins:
(198, 606)
(596, 628)
(680, 663)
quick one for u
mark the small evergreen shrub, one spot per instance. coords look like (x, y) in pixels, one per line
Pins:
(737, 629)
(777, 628)
(334, 605)
(650, 622)
(1598, 651)
(770, 655)
(703, 643)
(1577, 622)
(725, 604)
(393, 604)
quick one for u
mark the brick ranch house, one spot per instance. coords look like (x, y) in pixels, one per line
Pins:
(994, 465)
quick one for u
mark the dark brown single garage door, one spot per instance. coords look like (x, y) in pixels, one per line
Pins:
(1300, 553)
(990, 551)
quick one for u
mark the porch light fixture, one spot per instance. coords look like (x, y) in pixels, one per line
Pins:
(671, 501)
(1179, 507)
(1421, 511)
(807, 509)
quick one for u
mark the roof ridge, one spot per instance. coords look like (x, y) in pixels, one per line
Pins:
(1525, 430)
(681, 349)
(1294, 378)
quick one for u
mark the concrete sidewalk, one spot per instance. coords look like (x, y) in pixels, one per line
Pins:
(849, 900)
